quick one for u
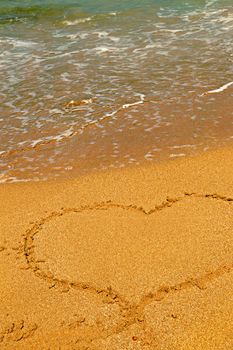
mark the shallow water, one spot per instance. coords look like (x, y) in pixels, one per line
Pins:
(137, 72)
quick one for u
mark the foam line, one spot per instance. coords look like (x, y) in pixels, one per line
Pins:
(70, 132)
(127, 105)
(222, 88)
(132, 104)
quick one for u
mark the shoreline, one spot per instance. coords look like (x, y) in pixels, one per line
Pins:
(93, 171)
(133, 258)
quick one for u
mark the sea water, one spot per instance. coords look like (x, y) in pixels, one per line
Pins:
(92, 85)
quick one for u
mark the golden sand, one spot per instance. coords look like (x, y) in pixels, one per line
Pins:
(129, 259)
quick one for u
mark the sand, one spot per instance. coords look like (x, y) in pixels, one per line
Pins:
(140, 258)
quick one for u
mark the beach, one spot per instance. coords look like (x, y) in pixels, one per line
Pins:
(116, 180)
(134, 258)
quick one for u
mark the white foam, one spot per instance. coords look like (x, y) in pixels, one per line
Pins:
(149, 156)
(103, 49)
(78, 21)
(101, 34)
(106, 35)
(34, 143)
(68, 168)
(173, 155)
(128, 105)
(182, 146)
(173, 31)
(19, 43)
(12, 179)
(114, 39)
(222, 88)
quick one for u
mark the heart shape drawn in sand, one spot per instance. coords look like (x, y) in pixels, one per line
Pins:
(130, 256)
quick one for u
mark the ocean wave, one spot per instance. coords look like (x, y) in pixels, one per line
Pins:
(77, 21)
(83, 20)
(20, 14)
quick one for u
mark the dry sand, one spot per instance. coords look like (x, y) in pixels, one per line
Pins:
(131, 259)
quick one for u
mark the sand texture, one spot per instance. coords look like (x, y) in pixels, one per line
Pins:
(137, 259)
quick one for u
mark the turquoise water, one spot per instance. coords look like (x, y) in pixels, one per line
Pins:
(137, 71)
(57, 9)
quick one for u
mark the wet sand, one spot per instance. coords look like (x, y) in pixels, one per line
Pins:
(139, 258)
